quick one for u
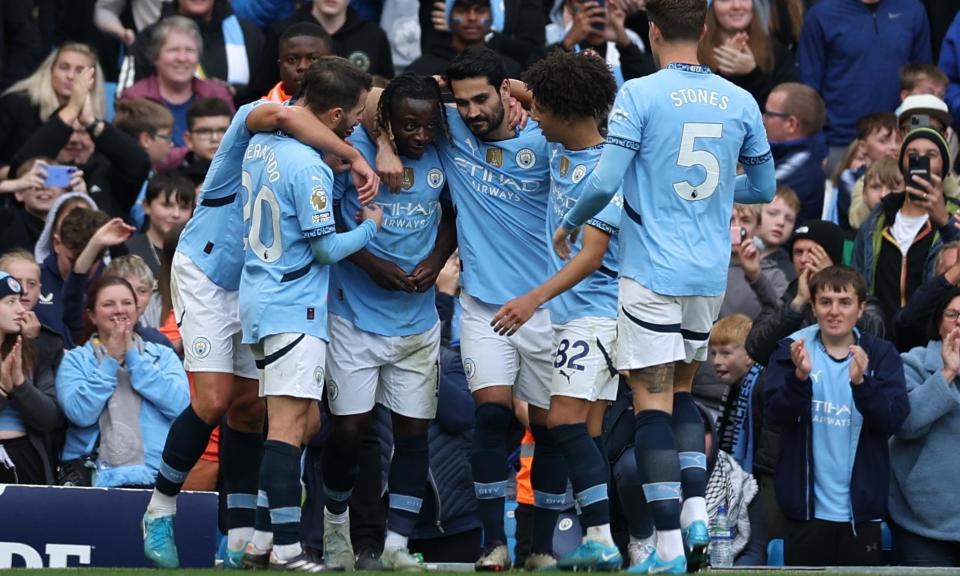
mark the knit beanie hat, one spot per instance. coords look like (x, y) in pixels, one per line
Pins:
(827, 234)
(9, 285)
(933, 136)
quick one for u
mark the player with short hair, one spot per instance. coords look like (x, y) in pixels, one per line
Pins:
(204, 282)
(571, 95)
(384, 328)
(291, 241)
(499, 182)
(675, 138)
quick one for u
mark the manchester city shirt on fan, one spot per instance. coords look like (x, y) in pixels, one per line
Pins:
(596, 295)
(282, 287)
(689, 128)
(213, 237)
(408, 234)
(500, 189)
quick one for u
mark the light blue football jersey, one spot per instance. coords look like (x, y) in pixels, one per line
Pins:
(689, 128)
(213, 237)
(596, 295)
(411, 218)
(283, 288)
(500, 190)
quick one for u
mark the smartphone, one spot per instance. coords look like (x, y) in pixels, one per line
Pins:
(59, 176)
(602, 4)
(918, 167)
(737, 235)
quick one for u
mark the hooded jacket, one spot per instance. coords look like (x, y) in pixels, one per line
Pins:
(874, 246)
(881, 407)
(851, 53)
(799, 165)
(85, 386)
(923, 453)
(363, 43)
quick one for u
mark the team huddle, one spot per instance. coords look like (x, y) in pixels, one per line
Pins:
(593, 240)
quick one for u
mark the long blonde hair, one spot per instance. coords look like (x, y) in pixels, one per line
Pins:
(39, 85)
(759, 42)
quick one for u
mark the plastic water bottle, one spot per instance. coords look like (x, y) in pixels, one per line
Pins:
(721, 541)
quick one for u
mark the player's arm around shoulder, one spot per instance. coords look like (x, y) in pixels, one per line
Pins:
(317, 221)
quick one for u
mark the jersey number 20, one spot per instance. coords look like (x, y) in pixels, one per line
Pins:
(265, 195)
(689, 157)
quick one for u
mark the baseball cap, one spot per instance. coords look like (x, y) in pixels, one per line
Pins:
(925, 104)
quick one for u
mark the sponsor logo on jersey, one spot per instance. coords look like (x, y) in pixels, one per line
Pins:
(408, 178)
(564, 166)
(495, 156)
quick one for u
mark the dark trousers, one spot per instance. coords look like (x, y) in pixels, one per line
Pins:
(823, 543)
(463, 547)
(368, 513)
(27, 464)
(910, 549)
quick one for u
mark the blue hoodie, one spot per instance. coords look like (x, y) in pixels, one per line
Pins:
(85, 385)
(851, 53)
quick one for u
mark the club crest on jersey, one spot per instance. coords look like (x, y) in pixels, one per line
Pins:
(408, 178)
(495, 157)
(564, 166)
(526, 158)
(435, 178)
(318, 199)
(578, 173)
(469, 368)
(332, 390)
(201, 347)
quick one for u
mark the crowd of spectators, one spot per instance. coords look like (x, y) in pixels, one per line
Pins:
(111, 113)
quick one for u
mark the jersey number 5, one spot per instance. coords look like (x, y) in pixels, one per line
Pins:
(689, 157)
(253, 241)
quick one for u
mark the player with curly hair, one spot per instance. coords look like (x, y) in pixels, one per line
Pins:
(571, 96)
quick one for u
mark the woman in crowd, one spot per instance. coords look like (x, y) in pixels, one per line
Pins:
(925, 521)
(120, 394)
(175, 49)
(30, 103)
(28, 405)
(739, 48)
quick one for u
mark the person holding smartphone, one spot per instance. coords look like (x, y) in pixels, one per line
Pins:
(897, 244)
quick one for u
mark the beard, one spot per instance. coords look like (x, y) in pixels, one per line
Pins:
(492, 122)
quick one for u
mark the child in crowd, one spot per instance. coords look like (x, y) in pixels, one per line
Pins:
(878, 136)
(880, 179)
(168, 202)
(207, 122)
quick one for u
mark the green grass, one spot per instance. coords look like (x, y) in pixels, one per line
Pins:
(759, 572)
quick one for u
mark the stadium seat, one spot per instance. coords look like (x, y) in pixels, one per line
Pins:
(775, 552)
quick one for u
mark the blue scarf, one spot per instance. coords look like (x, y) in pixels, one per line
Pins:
(743, 420)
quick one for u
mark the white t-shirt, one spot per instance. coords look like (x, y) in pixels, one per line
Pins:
(905, 229)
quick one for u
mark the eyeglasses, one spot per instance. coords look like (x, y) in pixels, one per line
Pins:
(167, 137)
(209, 133)
(951, 314)
(777, 114)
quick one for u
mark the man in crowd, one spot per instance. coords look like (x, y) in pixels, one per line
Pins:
(299, 46)
(838, 395)
(794, 117)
